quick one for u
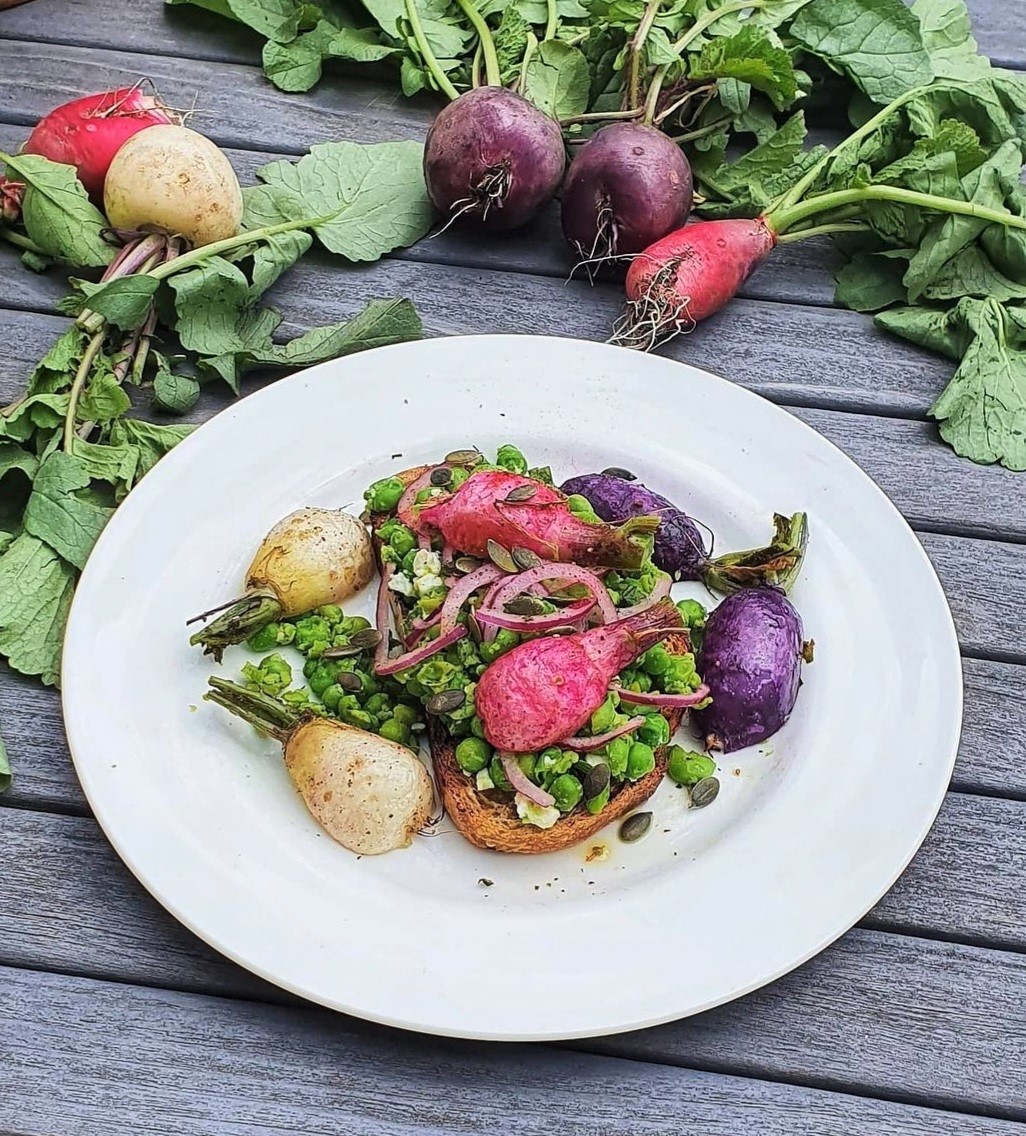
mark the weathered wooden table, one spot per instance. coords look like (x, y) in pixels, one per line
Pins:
(114, 1019)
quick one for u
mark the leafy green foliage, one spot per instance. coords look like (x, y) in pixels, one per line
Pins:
(557, 80)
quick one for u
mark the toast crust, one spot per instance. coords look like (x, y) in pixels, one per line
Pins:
(495, 825)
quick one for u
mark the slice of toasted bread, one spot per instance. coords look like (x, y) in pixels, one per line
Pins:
(494, 824)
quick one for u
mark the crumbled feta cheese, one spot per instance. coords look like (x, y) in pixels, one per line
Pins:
(484, 780)
(427, 563)
(424, 584)
(401, 584)
(530, 813)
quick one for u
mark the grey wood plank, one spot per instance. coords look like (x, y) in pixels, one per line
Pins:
(87, 1056)
(991, 754)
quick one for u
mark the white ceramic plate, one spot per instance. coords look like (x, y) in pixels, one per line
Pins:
(711, 904)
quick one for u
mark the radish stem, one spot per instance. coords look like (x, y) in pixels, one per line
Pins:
(637, 52)
(493, 73)
(823, 230)
(88, 358)
(696, 29)
(553, 19)
(532, 43)
(601, 116)
(432, 64)
(809, 178)
(21, 242)
(702, 131)
(782, 219)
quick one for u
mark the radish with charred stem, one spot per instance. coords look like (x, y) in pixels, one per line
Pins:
(370, 794)
(311, 558)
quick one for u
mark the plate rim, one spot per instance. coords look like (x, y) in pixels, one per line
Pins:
(182, 453)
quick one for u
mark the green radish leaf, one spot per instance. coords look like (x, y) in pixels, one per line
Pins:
(59, 514)
(17, 468)
(511, 42)
(55, 371)
(972, 273)
(116, 465)
(948, 39)
(5, 765)
(35, 595)
(877, 43)
(296, 65)
(735, 96)
(557, 80)
(381, 322)
(869, 282)
(36, 263)
(57, 213)
(150, 441)
(274, 19)
(750, 57)
(37, 412)
(536, 11)
(177, 394)
(104, 399)
(271, 257)
(361, 45)
(374, 195)
(124, 302)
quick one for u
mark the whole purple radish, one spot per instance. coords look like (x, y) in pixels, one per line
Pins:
(751, 659)
(493, 158)
(628, 186)
(679, 548)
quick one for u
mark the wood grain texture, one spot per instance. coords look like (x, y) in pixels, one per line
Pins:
(86, 1056)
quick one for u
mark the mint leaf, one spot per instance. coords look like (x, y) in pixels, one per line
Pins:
(35, 595)
(177, 394)
(751, 57)
(374, 195)
(57, 213)
(557, 80)
(59, 514)
(877, 43)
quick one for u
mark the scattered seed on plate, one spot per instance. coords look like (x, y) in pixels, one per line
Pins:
(704, 792)
(445, 702)
(635, 827)
(501, 556)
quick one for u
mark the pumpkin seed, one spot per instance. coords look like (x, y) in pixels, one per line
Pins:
(474, 628)
(349, 681)
(596, 780)
(635, 827)
(525, 605)
(466, 564)
(446, 702)
(704, 792)
(367, 637)
(622, 474)
(501, 556)
(346, 652)
(521, 493)
(464, 457)
(580, 769)
(525, 558)
(441, 476)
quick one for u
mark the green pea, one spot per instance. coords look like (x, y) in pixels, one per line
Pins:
(402, 541)
(640, 760)
(582, 509)
(331, 696)
(655, 731)
(406, 714)
(353, 623)
(459, 475)
(266, 639)
(331, 612)
(597, 804)
(498, 775)
(408, 561)
(509, 457)
(321, 676)
(602, 719)
(505, 641)
(477, 727)
(473, 754)
(527, 761)
(394, 731)
(376, 703)
(566, 792)
(384, 495)
(687, 767)
(359, 718)
(617, 752)
(656, 660)
(693, 614)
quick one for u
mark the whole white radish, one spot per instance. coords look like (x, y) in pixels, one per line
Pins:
(171, 179)
(310, 558)
(370, 794)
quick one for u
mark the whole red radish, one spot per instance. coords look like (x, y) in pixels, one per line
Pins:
(628, 186)
(88, 132)
(687, 276)
(480, 511)
(494, 158)
(546, 689)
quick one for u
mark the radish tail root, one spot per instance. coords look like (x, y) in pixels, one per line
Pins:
(658, 315)
(489, 193)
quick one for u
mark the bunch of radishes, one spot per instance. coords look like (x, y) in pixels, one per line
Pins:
(150, 173)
